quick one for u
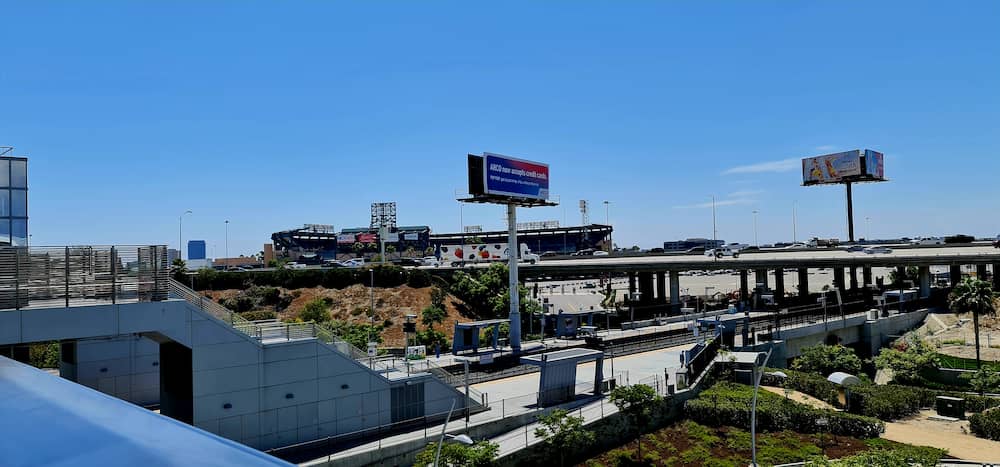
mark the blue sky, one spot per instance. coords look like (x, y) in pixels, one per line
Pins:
(272, 115)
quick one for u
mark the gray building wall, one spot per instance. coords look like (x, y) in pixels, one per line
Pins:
(126, 367)
(262, 395)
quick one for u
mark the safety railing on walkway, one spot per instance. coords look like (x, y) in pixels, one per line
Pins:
(66, 276)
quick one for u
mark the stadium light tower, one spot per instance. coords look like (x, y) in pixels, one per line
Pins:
(755, 242)
(607, 222)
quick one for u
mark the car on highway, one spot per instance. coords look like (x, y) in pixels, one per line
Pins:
(855, 249)
(877, 250)
(695, 251)
(294, 265)
(407, 262)
(960, 239)
(927, 241)
(796, 245)
(331, 263)
(723, 251)
(584, 252)
(549, 254)
(996, 243)
(600, 253)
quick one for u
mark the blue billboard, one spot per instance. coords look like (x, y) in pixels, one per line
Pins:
(874, 164)
(506, 176)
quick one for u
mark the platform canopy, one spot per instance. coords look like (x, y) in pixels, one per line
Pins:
(50, 421)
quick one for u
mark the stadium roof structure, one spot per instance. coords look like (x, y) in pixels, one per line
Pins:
(50, 421)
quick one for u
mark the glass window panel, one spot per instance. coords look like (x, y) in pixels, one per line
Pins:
(19, 203)
(4, 202)
(4, 173)
(5, 232)
(19, 174)
(20, 231)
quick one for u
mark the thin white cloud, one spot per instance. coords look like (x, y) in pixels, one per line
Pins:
(718, 203)
(826, 147)
(744, 193)
(785, 165)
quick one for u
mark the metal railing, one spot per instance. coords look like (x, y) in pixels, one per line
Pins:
(65, 276)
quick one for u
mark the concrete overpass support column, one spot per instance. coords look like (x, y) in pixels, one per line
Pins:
(803, 282)
(866, 274)
(925, 281)
(901, 274)
(955, 274)
(854, 279)
(646, 288)
(779, 285)
(744, 285)
(631, 284)
(981, 272)
(996, 276)
(760, 276)
(599, 375)
(675, 292)
(838, 278)
(661, 288)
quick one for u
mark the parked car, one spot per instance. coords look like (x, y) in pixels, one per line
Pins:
(877, 250)
(353, 263)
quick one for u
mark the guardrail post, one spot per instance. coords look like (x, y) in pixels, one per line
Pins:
(114, 274)
(67, 277)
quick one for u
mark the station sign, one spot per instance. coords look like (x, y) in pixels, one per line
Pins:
(516, 178)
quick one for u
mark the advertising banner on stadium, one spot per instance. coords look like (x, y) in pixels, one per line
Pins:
(345, 238)
(831, 168)
(392, 238)
(506, 176)
(367, 238)
(411, 237)
(874, 164)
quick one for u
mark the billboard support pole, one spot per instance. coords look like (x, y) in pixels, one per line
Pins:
(513, 253)
(850, 213)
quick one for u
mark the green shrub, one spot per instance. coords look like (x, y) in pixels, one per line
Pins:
(259, 315)
(888, 402)
(806, 383)
(727, 404)
(986, 424)
(418, 279)
(826, 359)
(316, 310)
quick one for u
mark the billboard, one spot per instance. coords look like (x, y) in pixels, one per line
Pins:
(506, 176)
(831, 168)
(345, 239)
(367, 238)
(874, 164)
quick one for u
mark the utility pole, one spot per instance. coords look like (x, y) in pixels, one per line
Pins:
(794, 233)
(180, 233)
(227, 244)
(756, 243)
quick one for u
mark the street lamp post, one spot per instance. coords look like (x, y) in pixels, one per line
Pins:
(753, 410)
(464, 439)
(756, 243)
(180, 233)
(227, 243)
(607, 222)
(715, 231)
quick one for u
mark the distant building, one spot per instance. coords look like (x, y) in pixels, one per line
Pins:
(172, 255)
(241, 262)
(268, 253)
(13, 201)
(685, 245)
(196, 249)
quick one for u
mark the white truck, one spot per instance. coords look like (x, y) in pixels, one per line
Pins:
(724, 250)
(458, 255)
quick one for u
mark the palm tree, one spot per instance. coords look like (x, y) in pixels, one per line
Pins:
(975, 296)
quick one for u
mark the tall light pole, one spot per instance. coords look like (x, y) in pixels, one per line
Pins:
(756, 243)
(794, 228)
(868, 228)
(607, 222)
(753, 411)
(227, 240)
(715, 231)
(180, 233)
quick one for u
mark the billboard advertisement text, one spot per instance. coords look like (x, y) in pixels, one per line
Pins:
(831, 168)
(874, 164)
(345, 238)
(516, 178)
